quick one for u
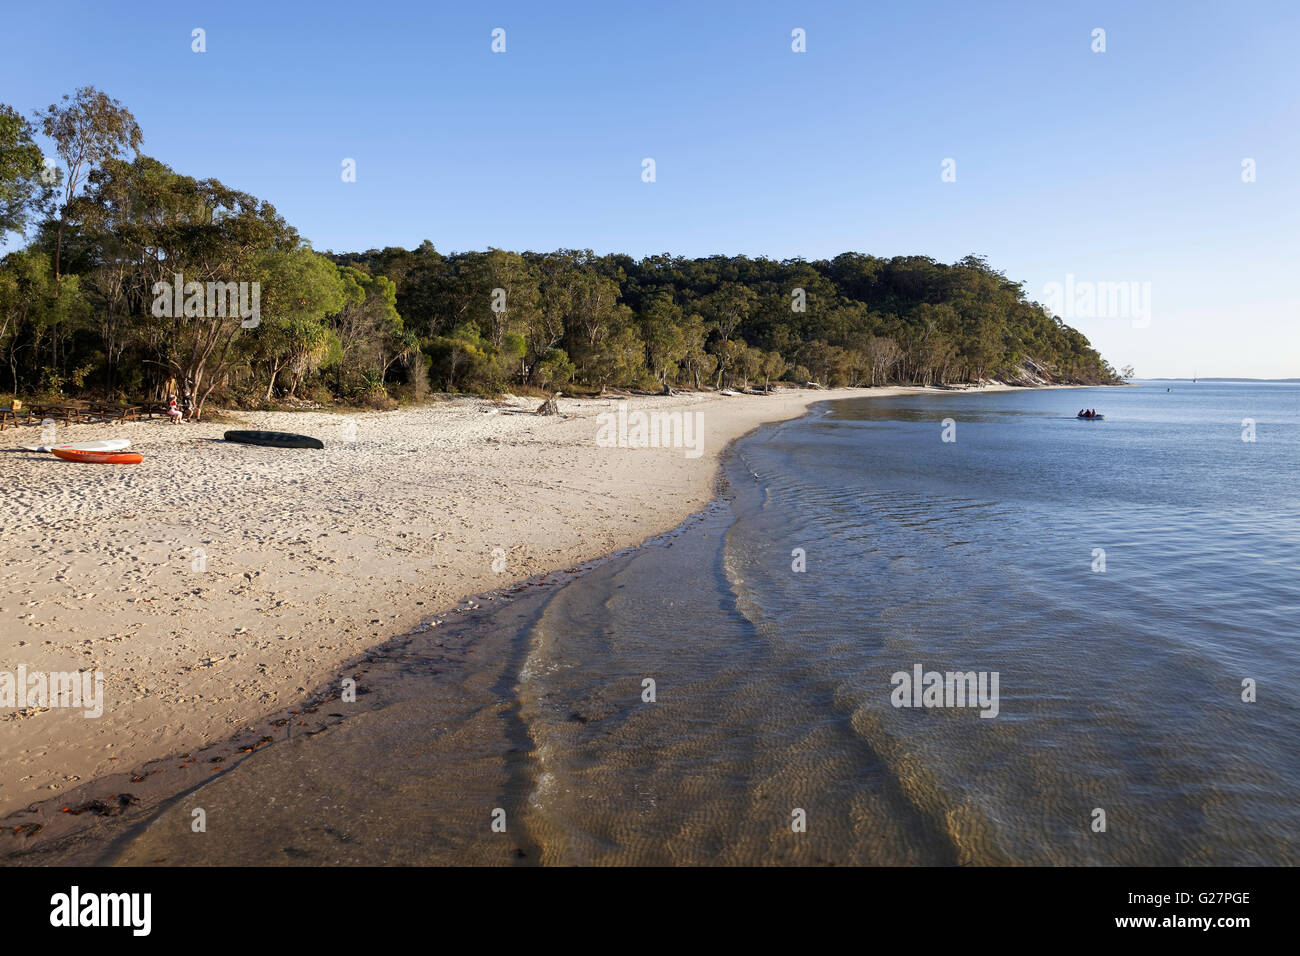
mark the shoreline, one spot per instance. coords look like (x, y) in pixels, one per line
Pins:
(126, 805)
(195, 731)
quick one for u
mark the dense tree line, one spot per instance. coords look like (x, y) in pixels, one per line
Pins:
(490, 319)
(136, 282)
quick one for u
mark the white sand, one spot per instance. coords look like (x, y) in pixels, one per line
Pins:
(311, 556)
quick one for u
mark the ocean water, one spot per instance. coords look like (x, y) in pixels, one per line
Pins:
(1121, 578)
(1120, 689)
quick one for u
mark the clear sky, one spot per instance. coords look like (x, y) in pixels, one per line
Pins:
(1122, 166)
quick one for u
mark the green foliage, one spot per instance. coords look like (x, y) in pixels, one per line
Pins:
(78, 306)
(300, 288)
(88, 129)
(554, 369)
(864, 321)
(23, 190)
(459, 356)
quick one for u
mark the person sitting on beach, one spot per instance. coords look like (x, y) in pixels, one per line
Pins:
(173, 412)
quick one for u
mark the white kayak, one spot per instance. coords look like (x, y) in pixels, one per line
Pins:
(108, 444)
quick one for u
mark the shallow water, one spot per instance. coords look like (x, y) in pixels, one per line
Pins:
(1119, 690)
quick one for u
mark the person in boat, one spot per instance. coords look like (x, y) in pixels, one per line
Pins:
(1082, 412)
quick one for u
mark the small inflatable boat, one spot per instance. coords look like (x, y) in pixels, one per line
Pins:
(1091, 418)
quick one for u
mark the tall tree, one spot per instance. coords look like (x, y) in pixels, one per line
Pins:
(665, 343)
(300, 289)
(90, 128)
(212, 236)
(728, 307)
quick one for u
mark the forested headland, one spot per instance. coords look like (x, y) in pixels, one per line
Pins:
(134, 281)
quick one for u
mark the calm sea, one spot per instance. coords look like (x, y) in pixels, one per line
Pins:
(1128, 582)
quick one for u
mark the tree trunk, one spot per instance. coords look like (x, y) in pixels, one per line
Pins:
(58, 248)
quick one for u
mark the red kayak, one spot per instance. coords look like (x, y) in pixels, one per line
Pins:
(99, 457)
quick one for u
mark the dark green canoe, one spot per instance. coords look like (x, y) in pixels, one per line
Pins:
(275, 439)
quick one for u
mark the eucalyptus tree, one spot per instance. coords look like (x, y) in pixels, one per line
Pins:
(773, 367)
(513, 293)
(299, 289)
(727, 307)
(697, 363)
(33, 314)
(883, 354)
(665, 342)
(88, 129)
(191, 244)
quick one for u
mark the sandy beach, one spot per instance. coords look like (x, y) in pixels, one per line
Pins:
(215, 583)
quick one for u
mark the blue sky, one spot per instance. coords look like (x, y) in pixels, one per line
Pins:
(1122, 166)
